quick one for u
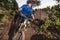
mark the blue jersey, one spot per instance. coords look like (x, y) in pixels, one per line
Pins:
(26, 10)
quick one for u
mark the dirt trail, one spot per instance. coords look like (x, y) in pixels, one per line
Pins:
(29, 33)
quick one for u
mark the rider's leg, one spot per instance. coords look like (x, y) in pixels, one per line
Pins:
(25, 22)
(28, 22)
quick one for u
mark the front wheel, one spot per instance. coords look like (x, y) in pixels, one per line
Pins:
(22, 37)
(19, 35)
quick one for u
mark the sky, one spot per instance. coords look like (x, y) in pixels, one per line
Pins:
(44, 3)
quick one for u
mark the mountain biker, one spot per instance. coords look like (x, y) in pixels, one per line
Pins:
(25, 10)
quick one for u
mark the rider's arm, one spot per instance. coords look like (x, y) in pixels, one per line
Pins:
(31, 12)
(33, 16)
(19, 9)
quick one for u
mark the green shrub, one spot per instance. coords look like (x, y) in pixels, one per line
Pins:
(5, 19)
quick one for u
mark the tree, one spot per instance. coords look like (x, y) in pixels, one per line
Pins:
(35, 2)
(7, 8)
(58, 3)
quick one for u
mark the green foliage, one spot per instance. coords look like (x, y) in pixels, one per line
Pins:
(52, 24)
(46, 24)
(54, 19)
(8, 4)
(5, 19)
(7, 8)
(46, 9)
